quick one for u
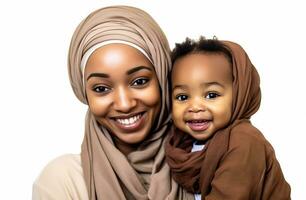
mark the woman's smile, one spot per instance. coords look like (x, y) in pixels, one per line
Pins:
(130, 123)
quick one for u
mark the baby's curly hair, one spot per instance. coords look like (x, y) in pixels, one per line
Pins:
(203, 45)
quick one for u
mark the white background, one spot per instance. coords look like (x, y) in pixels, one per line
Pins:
(42, 119)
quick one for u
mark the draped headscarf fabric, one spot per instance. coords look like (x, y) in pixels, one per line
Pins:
(196, 170)
(143, 174)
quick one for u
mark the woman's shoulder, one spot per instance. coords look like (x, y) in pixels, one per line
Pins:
(62, 166)
(62, 178)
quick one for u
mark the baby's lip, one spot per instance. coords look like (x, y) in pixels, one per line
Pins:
(197, 119)
(198, 124)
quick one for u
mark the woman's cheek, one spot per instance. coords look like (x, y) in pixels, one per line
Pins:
(99, 106)
(149, 96)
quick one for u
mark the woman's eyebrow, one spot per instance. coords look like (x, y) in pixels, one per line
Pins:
(101, 75)
(135, 69)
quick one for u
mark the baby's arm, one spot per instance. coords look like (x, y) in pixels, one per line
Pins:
(249, 170)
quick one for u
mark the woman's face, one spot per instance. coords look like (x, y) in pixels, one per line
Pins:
(122, 91)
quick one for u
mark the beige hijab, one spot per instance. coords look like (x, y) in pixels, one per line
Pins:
(143, 174)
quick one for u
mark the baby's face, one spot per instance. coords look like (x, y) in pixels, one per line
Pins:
(201, 94)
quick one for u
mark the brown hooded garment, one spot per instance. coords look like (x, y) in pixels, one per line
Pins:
(237, 162)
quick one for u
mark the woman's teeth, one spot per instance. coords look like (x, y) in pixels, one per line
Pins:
(130, 120)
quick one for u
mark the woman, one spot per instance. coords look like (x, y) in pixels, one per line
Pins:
(118, 65)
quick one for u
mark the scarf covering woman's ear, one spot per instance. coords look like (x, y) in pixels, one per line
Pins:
(186, 166)
(109, 174)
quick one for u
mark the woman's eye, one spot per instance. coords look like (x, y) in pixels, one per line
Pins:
(181, 97)
(212, 95)
(140, 81)
(101, 89)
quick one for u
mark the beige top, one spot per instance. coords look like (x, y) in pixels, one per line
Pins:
(62, 178)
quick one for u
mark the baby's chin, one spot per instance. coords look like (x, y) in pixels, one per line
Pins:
(201, 135)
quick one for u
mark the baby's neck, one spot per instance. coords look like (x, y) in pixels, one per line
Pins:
(199, 142)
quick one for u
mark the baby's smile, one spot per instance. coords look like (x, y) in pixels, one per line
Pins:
(198, 124)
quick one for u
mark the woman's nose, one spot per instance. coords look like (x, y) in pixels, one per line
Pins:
(196, 105)
(124, 101)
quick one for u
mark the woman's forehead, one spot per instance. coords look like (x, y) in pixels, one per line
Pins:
(116, 58)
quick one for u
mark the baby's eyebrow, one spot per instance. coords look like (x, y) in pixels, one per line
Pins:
(206, 84)
(184, 87)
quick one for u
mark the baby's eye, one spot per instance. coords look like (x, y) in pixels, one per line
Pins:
(181, 97)
(100, 89)
(140, 81)
(212, 95)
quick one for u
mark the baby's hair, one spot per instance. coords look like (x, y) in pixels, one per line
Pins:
(203, 45)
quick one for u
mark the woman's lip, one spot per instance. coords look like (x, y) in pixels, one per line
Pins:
(126, 116)
(198, 125)
(135, 125)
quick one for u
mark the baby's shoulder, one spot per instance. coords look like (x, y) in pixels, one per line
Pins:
(248, 137)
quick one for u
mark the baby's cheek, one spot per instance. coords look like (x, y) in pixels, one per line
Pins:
(221, 113)
(177, 112)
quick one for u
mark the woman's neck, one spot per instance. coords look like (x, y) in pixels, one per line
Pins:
(125, 148)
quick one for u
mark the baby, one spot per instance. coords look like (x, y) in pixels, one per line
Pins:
(214, 151)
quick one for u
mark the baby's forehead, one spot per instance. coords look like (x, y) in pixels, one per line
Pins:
(201, 67)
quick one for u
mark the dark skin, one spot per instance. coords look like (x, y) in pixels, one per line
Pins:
(201, 94)
(123, 93)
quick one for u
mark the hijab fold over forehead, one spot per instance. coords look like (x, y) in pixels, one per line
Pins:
(143, 174)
